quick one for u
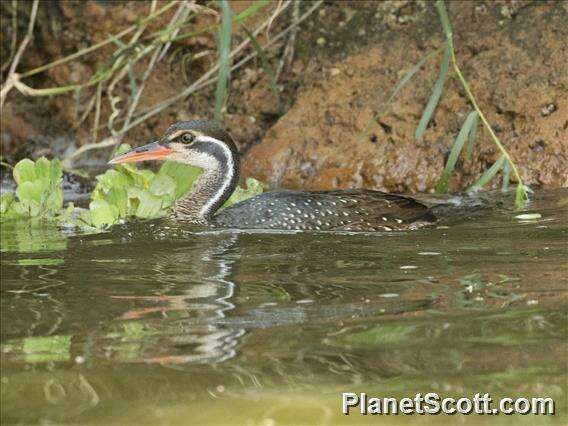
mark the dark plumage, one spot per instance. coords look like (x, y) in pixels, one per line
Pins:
(206, 145)
(351, 210)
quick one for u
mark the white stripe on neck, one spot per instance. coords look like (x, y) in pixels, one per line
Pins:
(227, 179)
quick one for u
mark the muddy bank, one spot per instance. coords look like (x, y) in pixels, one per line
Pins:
(347, 58)
(513, 54)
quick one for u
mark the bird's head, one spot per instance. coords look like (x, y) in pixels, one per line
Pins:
(199, 143)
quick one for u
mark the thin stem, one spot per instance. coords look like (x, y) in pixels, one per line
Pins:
(442, 11)
(481, 115)
(100, 44)
(12, 77)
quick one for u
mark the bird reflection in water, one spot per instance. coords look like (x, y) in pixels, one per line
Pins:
(183, 328)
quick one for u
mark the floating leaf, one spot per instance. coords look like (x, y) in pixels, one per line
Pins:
(102, 214)
(528, 216)
(436, 93)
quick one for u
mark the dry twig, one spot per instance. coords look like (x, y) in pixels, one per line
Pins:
(13, 77)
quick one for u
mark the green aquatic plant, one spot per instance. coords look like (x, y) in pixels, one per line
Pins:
(128, 192)
(38, 192)
(121, 193)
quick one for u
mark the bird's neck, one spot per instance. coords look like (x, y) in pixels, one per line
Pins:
(209, 192)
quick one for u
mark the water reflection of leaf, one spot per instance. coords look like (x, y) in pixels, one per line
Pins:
(38, 262)
(383, 334)
(30, 235)
(45, 349)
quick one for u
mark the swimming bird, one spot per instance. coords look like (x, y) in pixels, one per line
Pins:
(206, 145)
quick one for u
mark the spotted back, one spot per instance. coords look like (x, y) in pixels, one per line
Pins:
(352, 210)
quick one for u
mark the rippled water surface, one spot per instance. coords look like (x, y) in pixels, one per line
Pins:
(150, 325)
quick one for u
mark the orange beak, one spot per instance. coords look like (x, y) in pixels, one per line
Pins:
(151, 151)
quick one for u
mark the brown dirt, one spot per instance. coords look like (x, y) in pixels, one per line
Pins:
(348, 58)
(515, 64)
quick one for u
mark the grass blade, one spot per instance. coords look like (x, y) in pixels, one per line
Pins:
(265, 65)
(521, 195)
(436, 93)
(506, 175)
(471, 138)
(251, 10)
(488, 175)
(444, 19)
(405, 79)
(442, 184)
(224, 47)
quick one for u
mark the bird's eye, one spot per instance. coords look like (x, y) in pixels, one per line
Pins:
(187, 138)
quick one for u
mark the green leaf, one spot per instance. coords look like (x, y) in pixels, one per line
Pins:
(113, 179)
(150, 206)
(521, 195)
(506, 176)
(405, 79)
(102, 214)
(56, 172)
(118, 197)
(436, 93)
(254, 187)
(488, 175)
(141, 178)
(471, 138)
(183, 176)
(24, 171)
(30, 195)
(163, 185)
(52, 201)
(442, 184)
(440, 5)
(224, 49)
(6, 201)
(251, 10)
(43, 169)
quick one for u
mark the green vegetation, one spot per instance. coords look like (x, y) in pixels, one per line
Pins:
(469, 128)
(39, 192)
(121, 193)
(132, 46)
(128, 192)
(224, 49)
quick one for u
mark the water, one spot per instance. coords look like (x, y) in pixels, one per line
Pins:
(149, 325)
